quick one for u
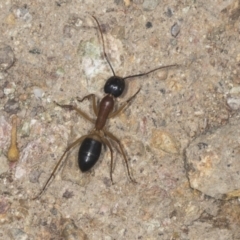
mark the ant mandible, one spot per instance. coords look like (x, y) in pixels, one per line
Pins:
(91, 144)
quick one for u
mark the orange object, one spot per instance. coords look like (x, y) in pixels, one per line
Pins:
(13, 151)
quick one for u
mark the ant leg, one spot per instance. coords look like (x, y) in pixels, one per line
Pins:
(114, 114)
(80, 112)
(94, 103)
(110, 135)
(105, 141)
(58, 163)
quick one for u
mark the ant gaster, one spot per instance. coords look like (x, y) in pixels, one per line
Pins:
(91, 144)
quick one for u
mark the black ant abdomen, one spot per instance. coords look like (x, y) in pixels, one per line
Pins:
(89, 153)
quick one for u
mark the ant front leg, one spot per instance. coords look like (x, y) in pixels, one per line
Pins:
(94, 103)
(114, 114)
(79, 111)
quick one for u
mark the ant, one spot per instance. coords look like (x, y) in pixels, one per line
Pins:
(91, 144)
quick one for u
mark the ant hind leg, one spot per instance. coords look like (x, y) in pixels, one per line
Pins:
(106, 142)
(111, 136)
(58, 164)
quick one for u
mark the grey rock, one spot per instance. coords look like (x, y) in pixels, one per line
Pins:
(213, 162)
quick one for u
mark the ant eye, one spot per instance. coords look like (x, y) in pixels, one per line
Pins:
(114, 86)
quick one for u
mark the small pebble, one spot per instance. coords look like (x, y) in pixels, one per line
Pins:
(163, 74)
(34, 176)
(35, 51)
(38, 93)
(6, 57)
(22, 13)
(164, 141)
(11, 106)
(235, 90)
(234, 103)
(9, 88)
(175, 29)
(149, 5)
(10, 19)
(169, 12)
(4, 167)
(68, 194)
(25, 130)
(149, 25)
(127, 3)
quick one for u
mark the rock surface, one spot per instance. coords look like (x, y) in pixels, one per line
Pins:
(213, 161)
(52, 51)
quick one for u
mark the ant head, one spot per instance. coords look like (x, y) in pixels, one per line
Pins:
(114, 86)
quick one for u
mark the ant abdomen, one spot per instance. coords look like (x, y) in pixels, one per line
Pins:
(89, 153)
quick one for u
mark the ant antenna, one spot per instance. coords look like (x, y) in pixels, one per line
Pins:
(110, 65)
(104, 52)
(153, 70)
